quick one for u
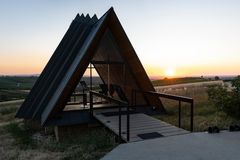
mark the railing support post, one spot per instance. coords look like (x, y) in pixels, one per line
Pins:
(191, 128)
(180, 99)
(179, 114)
(119, 124)
(91, 103)
(128, 123)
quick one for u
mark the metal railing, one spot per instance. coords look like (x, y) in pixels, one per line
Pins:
(173, 97)
(75, 95)
(116, 101)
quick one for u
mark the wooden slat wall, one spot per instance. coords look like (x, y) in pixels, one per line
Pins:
(108, 50)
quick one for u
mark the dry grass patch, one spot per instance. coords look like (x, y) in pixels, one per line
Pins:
(205, 114)
(8, 111)
(17, 141)
(20, 144)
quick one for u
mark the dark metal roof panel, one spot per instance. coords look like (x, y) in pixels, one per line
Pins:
(60, 70)
(32, 106)
(27, 108)
(45, 89)
(72, 75)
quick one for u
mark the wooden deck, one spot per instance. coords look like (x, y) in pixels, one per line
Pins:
(139, 124)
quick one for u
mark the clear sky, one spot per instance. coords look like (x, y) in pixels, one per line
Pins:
(171, 37)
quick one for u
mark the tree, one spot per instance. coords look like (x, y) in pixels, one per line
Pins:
(236, 96)
(228, 102)
(236, 85)
(218, 95)
(216, 78)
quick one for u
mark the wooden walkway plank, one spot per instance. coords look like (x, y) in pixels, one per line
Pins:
(139, 124)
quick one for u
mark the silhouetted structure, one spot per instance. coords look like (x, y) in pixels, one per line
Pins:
(101, 43)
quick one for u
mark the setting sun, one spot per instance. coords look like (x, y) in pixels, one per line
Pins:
(170, 72)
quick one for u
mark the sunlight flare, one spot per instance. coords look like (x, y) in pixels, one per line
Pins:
(170, 72)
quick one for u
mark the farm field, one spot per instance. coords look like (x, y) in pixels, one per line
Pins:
(16, 87)
(172, 81)
(17, 141)
(13, 87)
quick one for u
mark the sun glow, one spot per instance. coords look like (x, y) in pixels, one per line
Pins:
(170, 72)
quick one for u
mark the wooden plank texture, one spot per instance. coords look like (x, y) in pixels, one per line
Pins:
(139, 124)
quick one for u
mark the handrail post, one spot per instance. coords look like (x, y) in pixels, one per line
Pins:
(179, 114)
(91, 103)
(128, 124)
(121, 103)
(191, 124)
(180, 99)
(119, 124)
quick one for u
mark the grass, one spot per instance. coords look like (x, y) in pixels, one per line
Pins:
(8, 95)
(90, 145)
(15, 87)
(172, 81)
(8, 111)
(22, 135)
(17, 82)
(17, 141)
(205, 114)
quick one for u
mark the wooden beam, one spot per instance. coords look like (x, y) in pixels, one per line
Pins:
(107, 62)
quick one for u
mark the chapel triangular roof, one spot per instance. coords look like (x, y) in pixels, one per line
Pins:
(86, 41)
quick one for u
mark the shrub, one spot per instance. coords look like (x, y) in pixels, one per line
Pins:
(228, 102)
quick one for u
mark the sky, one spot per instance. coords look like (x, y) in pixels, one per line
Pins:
(172, 38)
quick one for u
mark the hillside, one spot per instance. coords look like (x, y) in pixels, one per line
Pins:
(17, 82)
(172, 81)
(17, 87)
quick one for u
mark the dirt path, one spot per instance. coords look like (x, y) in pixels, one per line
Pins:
(11, 102)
